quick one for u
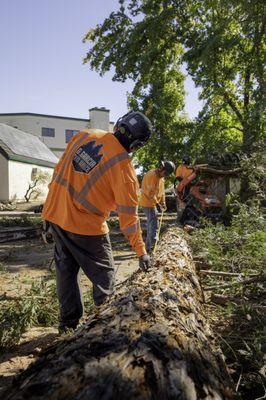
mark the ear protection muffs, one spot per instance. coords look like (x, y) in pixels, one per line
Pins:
(122, 130)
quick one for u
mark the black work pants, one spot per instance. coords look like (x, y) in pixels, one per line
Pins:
(93, 254)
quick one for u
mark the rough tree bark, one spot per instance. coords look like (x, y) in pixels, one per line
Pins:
(150, 341)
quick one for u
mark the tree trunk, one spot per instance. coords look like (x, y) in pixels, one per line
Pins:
(150, 341)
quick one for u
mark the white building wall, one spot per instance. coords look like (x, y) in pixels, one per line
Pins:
(99, 118)
(20, 176)
(4, 189)
(34, 124)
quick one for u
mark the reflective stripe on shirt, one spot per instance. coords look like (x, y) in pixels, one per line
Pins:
(101, 169)
(85, 203)
(131, 229)
(95, 176)
(127, 209)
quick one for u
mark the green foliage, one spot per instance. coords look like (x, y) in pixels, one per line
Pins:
(2, 267)
(215, 129)
(131, 40)
(113, 222)
(223, 45)
(239, 248)
(19, 221)
(14, 322)
(254, 176)
(236, 248)
(243, 342)
(37, 307)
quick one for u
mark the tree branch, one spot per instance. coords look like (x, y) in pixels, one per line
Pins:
(234, 108)
(223, 300)
(261, 278)
(224, 274)
(232, 172)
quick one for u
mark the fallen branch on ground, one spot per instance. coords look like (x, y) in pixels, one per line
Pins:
(225, 274)
(261, 278)
(223, 300)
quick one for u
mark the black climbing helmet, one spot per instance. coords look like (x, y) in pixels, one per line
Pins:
(186, 159)
(136, 127)
(168, 166)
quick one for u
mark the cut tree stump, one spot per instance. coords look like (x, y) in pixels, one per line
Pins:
(150, 341)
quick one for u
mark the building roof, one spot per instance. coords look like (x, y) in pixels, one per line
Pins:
(42, 115)
(22, 114)
(99, 109)
(21, 146)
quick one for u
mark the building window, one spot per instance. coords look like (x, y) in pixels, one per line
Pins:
(69, 134)
(49, 132)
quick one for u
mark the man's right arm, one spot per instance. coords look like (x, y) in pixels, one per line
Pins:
(126, 188)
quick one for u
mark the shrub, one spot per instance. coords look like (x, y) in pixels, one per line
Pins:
(37, 307)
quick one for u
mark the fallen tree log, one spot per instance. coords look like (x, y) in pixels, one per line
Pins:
(150, 341)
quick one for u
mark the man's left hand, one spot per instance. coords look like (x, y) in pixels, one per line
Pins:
(144, 262)
(163, 207)
(47, 232)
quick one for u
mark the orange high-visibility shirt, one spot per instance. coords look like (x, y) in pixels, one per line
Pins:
(180, 190)
(152, 190)
(183, 171)
(95, 176)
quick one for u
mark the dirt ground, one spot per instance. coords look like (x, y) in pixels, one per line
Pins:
(23, 262)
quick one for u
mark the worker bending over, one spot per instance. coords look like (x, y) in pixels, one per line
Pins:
(182, 172)
(94, 176)
(152, 194)
(185, 169)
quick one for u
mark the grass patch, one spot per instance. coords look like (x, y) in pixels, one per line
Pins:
(25, 220)
(240, 247)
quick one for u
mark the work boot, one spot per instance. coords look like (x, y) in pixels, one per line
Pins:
(66, 330)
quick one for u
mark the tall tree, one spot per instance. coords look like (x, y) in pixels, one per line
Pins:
(215, 129)
(162, 100)
(144, 55)
(222, 41)
(225, 42)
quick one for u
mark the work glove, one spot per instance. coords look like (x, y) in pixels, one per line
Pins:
(47, 232)
(163, 207)
(144, 262)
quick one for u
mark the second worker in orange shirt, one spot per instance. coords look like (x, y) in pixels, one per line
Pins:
(152, 194)
(94, 176)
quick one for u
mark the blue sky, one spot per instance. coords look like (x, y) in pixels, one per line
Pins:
(41, 68)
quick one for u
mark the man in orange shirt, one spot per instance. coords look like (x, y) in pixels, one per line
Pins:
(182, 172)
(94, 176)
(152, 194)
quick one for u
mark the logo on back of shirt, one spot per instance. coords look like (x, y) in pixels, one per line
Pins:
(87, 157)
